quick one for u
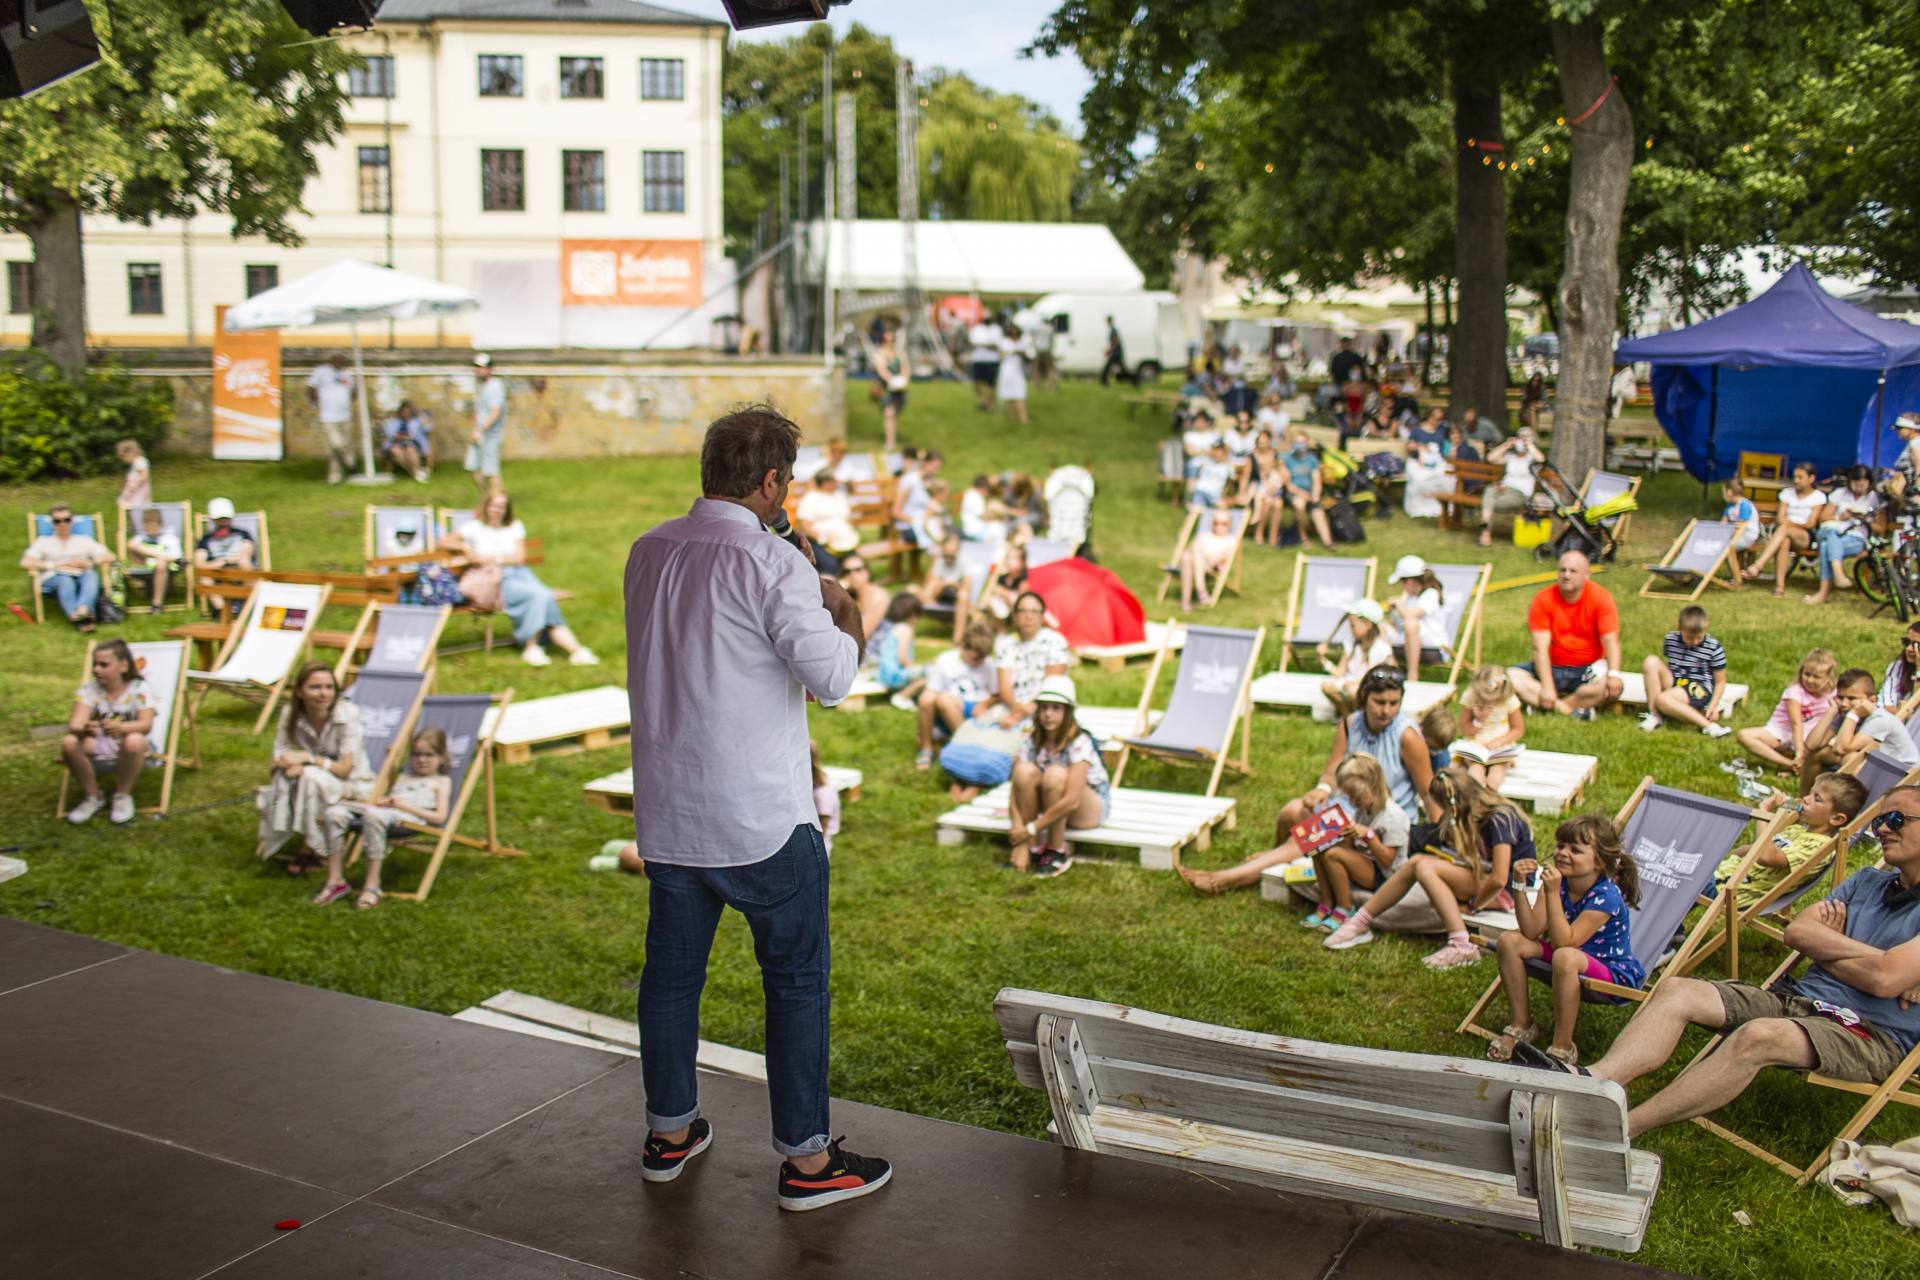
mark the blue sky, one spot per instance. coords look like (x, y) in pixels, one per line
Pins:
(980, 37)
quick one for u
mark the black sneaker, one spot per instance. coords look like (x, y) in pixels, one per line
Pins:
(1050, 863)
(846, 1177)
(663, 1161)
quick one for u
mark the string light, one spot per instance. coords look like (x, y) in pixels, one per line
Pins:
(1849, 148)
(1744, 147)
(1530, 161)
(1649, 144)
(1270, 164)
(1546, 147)
(1502, 166)
(1199, 164)
(1487, 160)
(1470, 144)
(1560, 120)
(856, 73)
(925, 103)
(993, 124)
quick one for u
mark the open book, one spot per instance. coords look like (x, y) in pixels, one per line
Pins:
(1462, 749)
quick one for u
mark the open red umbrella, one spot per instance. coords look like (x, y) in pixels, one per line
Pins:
(1090, 605)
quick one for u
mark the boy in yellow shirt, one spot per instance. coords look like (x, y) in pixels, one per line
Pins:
(1830, 804)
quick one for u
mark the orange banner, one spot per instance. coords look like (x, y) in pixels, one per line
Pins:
(246, 393)
(629, 273)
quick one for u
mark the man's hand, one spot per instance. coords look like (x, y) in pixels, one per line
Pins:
(805, 544)
(845, 613)
(1830, 914)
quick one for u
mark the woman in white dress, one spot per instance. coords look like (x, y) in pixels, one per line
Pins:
(1427, 478)
(1015, 351)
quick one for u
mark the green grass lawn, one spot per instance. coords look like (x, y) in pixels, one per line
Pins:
(924, 935)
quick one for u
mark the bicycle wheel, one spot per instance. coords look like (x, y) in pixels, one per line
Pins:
(1872, 575)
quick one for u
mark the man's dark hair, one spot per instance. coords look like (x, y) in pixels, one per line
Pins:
(743, 446)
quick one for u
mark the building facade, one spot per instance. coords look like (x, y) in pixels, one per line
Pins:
(561, 158)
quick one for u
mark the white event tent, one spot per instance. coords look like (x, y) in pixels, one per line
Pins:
(1024, 258)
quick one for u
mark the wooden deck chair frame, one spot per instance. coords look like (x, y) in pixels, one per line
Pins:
(1228, 577)
(235, 634)
(169, 757)
(1633, 491)
(1710, 578)
(262, 541)
(189, 534)
(1899, 1086)
(1299, 584)
(369, 543)
(479, 774)
(1472, 625)
(34, 575)
(370, 618)
(1681, 962)
(1242, 719)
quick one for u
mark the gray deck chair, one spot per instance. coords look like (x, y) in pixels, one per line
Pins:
(1323, 589)
(1046, 550)
(1209, 701)
(405, 638)
(807, 461)
(977, 561)
(1462, 596)
(389, 702)
(176, 518)
(1694, 561)
(383, 524)
(1676, 839)
(468, 720)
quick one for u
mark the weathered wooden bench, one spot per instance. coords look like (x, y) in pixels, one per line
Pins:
(1478, 1142)
(1456, 506)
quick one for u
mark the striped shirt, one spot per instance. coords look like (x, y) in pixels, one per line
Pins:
(1693, 663)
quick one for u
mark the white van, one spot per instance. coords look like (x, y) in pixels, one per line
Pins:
(1152, 336)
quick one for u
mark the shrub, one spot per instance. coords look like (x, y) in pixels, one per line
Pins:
(52, 426)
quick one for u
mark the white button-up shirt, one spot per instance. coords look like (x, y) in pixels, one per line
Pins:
(725, 637)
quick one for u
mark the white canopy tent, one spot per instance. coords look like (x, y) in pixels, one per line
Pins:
(1025, 258)
(349, 292)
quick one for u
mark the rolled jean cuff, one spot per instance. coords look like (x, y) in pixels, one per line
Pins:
(811, 1147)
(667, 1124)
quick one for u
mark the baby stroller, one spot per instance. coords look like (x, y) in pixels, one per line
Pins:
(1584, 527)
(1347, 478)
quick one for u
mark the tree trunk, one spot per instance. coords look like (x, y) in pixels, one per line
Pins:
(59, 286)
(1477, 364)
(1590, 285)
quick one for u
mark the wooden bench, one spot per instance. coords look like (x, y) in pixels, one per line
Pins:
(1633, 692)
(1455, 506)
(397, 569)
(563, 724)
(1159, 825)
(1278, 689)
(614, 793)
(355, 590)
(1486, 1143)
(1152, 399)
(1551, 781)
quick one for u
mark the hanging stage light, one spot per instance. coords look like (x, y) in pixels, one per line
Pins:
(42, 42)
(747, 14)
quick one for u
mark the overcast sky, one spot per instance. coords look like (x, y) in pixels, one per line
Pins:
(980, 37)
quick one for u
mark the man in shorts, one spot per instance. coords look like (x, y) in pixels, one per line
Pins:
(1853, 1014)
(983, 357)
(489, 427)
(1576, 644)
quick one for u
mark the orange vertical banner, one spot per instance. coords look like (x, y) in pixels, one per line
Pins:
(247, 426)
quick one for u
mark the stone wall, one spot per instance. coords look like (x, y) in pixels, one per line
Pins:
(556, 407)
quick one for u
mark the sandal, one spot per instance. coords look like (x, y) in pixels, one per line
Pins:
(1568, 1057)
(1514, 1037)
(923, 761)
(368, 898)
(332, 894)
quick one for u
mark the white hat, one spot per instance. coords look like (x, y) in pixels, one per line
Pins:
(1907, 422)
(1368, 609)
(1409, 567)
(1057, 689)
(481, 360)
(220, 509)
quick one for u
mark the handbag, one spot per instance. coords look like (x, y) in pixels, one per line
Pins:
(480, 586)
(436, 585)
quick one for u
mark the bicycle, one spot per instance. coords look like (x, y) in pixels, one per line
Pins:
(1888, 571)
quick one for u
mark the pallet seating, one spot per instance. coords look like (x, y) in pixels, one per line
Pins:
(564, 724)
(1633, 693)
(1550, 781)
(1160, 825)
(163, 665)
(1479, 1142)
(1694, 562)
(1171, 636)
(614, 793)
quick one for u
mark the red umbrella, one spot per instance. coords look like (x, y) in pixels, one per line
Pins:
(1090, 605)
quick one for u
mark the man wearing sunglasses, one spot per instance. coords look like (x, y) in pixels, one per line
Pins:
(68, 564)
(1853, 1013)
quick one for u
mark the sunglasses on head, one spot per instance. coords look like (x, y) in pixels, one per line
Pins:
(1392, 677)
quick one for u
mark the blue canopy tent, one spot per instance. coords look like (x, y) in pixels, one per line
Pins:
(1795, 371)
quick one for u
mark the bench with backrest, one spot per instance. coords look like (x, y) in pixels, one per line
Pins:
(1479, 1142)
(1455, 507)
(353, 590)
(401, 570)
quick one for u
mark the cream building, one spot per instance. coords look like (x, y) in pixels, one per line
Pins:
(561, 158)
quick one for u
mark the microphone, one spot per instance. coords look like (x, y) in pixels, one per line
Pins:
(783, 528)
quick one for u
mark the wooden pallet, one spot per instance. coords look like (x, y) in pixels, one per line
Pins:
(1633, 692)
(1114, 657)
(1551, 781)
(864, 688)
(532, 1016)
(614, 793)
(1278, 690)
(563, 724)
(1161, 825)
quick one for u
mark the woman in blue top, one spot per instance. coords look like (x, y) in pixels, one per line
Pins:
(1576, 921)
(1381, 730)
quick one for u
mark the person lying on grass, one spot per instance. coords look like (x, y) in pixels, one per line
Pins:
(1573, 916)
(1782, 740)
(1833, 801)
(1377, 830)
(1856, 725)
(1059, 783)
(421, 796)
(1687, 679)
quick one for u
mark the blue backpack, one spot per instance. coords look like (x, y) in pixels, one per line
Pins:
(437, 585)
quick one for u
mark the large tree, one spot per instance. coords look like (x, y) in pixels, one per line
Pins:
(196, 106)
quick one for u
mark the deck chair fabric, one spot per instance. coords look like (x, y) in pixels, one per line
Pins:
(1693, 561)
(469, 721)
(251, 523)
(977, 561)
(1324, 588)
(176, 518)
(40, 525)
(1775, 902)
(163, 665)
(1046, 550)
(1209, 701)
(807, 461)
(1462, 593)
(388, 702)
(272, 635)
(384, 523)
(1228, 575)
(1880, 773)
(405, 637)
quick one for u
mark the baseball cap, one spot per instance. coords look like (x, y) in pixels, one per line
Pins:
(1057, 689)
(481, 360)
(1368, 609)
(220, 509)
(1409, 567)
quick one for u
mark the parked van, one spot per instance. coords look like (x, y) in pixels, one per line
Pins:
(1152, 335)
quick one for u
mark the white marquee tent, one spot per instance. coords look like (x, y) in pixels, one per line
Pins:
(977, 257)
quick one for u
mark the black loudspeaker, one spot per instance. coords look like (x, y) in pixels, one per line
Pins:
(320, 17)
(42, 42)
(747, 14)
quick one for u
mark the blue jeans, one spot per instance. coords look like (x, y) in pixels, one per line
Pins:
(73, 593)
(784, 899)
(528, 604)
(1835, 547)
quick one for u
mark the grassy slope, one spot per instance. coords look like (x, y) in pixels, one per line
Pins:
(925, 935)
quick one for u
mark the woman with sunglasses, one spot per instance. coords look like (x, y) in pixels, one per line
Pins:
(1383, 730)
(68, 564)
(1902, 678)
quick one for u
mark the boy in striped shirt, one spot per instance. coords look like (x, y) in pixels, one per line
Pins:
(1688, 678)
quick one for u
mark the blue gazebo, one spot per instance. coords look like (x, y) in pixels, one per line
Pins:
(1795, 371)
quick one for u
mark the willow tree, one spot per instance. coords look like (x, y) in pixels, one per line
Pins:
(992, 156)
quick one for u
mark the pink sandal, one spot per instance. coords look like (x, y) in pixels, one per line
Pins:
(332, 894)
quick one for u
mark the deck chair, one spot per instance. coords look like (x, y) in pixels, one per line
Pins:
(1172, 477)
(163, 665)
(176, 518)
(1047, 550)
(405, 638)
(265, 646)
(1694, 561)
(252, 523)
(381, 539)
(1209, 702)
(40, 525)
(1677, 840)
(468, 720)
(807, 461)
(978, 560)
(389, 703)
(1323, 588)
(1463, 594)
(1605, 486)
(1898, 1087)
(1228, 577)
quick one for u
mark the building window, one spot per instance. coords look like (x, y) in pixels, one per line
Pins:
(663, 78)
(373, 78)
(582, 78)
(143, 289)
(20, 288)
(500, 75)
(262, 276)
(376, 181)
(664, 182)
(586, 181)
(503, 181)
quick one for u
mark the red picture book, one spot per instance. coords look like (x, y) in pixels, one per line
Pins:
(1327, 827)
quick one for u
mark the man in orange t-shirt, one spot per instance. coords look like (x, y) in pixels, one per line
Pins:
(1576, 638)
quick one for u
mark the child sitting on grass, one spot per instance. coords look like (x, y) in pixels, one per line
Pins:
(1374, 847)
(1576, 921)
(1367, 648)
(1833, 801)
(1360, 793)
(1689, 678)
(421, 795)
(1782, 740)
(890, 649)
(1441, 728)
(1491, 726)
(1488, 835)
(1060, 783)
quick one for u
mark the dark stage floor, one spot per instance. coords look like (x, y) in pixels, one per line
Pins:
(158, 1117)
